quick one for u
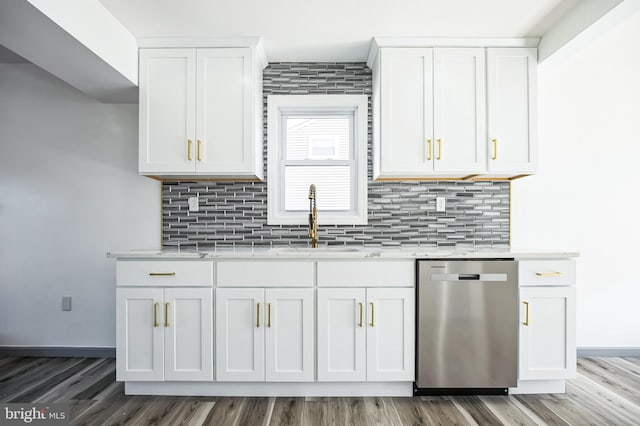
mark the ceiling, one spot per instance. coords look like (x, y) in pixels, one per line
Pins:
(335, 30)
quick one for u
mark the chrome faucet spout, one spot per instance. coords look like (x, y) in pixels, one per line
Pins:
(313, 217)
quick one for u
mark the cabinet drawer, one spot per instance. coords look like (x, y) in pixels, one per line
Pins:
(375, 273)
(164, 273)
(269, 273)
(546, 272)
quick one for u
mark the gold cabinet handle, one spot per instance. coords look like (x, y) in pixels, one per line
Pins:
(198, 150)
(495, 149)
(360, 322)
(258, 317)
(161, 274)
(189, 143)
(549, 274)
(166, 314)
(439, 157)
(155, 315)
(429, 149)
(268, 314)
(526, 317)
(372, 315)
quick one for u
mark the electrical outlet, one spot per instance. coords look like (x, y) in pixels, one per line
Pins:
(441, 204)
(66, 303)
(193, 204)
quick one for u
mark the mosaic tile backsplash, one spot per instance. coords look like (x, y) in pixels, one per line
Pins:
(234, 214)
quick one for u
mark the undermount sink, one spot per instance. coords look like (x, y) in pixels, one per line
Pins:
(325, 249)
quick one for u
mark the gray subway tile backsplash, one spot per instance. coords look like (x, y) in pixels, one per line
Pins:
(234, 214)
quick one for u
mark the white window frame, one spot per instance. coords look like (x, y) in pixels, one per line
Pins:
(276, 104)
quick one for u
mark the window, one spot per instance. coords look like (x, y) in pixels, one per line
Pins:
(320, 140)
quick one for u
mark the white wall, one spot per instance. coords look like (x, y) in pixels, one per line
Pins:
(586, 194)
(69, 192)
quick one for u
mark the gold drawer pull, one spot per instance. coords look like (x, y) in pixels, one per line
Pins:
(258, 317)
(166, 314)
(162, 274)
(526, 319)
(155, 315)
(198, 150)
(268, 314)
(360, 323)
(495, 149)
(189, 143)
(372, 315)
(549, 274)
(439, 157)
(429, 149)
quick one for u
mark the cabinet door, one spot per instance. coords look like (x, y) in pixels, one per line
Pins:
(167, 111)
(240, 334)
(406, 119)
(139, 334)
(459, 109)
(341, 335)
(547, 333)
(390, 334)
(188, 337)
(289, 335)
(225, 140)
(511, 100)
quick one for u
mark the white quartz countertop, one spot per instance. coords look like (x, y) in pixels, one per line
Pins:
(345, 253)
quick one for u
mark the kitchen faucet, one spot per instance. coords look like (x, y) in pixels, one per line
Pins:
(313, 217)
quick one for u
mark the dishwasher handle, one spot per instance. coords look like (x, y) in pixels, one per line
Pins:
(469, 277)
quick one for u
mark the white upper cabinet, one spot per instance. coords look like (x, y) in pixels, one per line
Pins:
(459, 110)
(430, 111)
(452, 112)
(201, 112)
(511, 75)
(167, 110)
(405, 106)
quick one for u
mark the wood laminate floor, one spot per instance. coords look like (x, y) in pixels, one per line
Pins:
(606, 392)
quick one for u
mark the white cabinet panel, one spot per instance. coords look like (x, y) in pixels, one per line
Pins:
(289, 335)
(459, 109)
(188, 334)
(511, 100)
(224, 108)
(240, 334)
(375, 273)
(390, 334)
(406, 105)
(547, 272)
(167, 110)
(139, 334)
(547, 333)
(270, 273)
(341, 335)
(164, 273)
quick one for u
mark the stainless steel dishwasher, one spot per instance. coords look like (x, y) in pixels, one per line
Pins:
(467, 327)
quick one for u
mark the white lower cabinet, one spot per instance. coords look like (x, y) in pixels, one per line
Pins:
(264, 334)
(547, 333)
(366, 334)
(164, 334)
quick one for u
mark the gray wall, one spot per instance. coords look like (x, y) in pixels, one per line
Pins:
(235, 214)
(69, 192)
